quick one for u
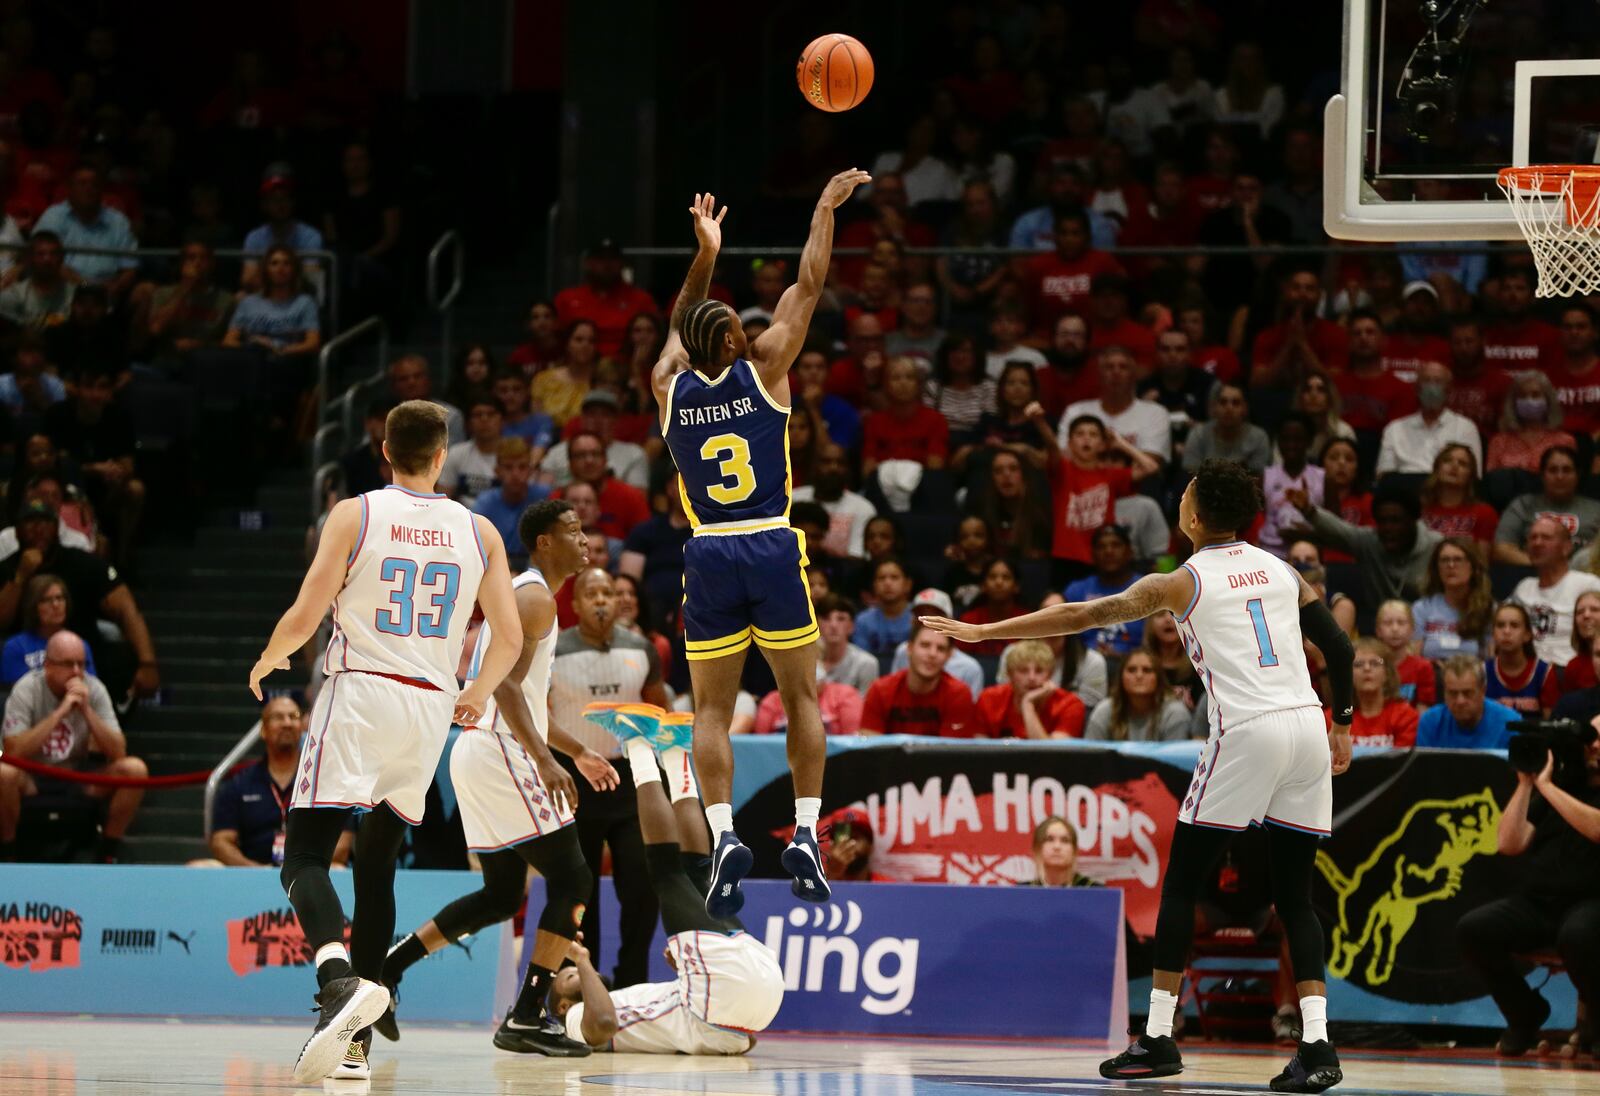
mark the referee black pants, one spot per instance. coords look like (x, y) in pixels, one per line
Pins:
(612, 818)
(1491, 934)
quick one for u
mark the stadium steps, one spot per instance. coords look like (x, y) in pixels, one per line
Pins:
(210, 605)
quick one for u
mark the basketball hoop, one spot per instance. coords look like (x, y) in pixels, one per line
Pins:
(1557, 206)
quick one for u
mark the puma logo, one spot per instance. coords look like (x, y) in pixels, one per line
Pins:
(181, 940)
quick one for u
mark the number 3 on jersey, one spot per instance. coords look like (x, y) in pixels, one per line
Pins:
(734, 464)
(399, 620)
(1258, 618)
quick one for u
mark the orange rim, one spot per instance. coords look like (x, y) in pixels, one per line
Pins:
(1577, 184)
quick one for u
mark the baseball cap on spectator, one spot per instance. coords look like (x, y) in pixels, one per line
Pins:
(932, 601)
(854, 817)
(36, 510)
(1118, 531)
(601, 397)
(1419, 286)
(277, 176)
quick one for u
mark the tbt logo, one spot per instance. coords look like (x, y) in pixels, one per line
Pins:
(39, 935)
(805, 957)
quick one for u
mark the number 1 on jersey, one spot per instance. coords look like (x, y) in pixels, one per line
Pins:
(1258, 618)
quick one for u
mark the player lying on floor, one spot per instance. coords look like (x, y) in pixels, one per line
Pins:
(729, 986)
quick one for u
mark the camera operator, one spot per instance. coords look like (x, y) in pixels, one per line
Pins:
(1554, 818)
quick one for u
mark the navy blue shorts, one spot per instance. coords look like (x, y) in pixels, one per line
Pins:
(743, 586)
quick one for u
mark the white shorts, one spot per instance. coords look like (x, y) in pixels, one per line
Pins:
(373, 740)
(503, 801)
(1271, 768)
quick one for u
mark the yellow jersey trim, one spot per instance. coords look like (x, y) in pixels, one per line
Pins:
(755, 375)
(666, 415)
(739, 528)
(743, 634)
(788, 633)
(788, 644)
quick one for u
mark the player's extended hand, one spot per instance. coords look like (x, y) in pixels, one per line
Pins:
(956, 629)
(1339, 746)
(557, 781)
(841, 186)
(707, 221)
(597, 771)
(260, 670)
(470, 705)
(577, 952)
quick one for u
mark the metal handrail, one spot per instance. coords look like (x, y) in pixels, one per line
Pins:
(318, 479)
(1133, 252)
(552, 219)
(339, 342)
(445, 305)
(234, 756)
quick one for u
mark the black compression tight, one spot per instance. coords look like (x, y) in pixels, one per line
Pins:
(310, 837)
(567, 881)
(1291, 859)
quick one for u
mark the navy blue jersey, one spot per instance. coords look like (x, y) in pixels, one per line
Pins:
(730, 441)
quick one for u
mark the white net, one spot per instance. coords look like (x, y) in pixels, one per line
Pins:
(1558, 209)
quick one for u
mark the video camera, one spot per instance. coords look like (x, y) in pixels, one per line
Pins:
(1534, 740)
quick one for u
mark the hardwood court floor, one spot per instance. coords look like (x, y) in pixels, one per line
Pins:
(89, 1056)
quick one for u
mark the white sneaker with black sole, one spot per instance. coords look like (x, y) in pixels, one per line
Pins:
(347, 1005)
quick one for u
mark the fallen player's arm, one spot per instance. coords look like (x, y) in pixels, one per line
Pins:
(1144, 598)
(598, 1024)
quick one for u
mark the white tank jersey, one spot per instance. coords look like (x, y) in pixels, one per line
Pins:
(1242, 632)
(536, 684)
(409, 589)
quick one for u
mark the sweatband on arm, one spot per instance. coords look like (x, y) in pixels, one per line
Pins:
(1317, 625)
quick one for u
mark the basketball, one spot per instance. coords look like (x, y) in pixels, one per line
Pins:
(834, 72)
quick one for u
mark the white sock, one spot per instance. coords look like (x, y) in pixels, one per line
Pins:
(719, 816)
(806, 809)
(680, 774)
(335, 950)
(1163, 1006)
(1313, 1019)
(642, 760)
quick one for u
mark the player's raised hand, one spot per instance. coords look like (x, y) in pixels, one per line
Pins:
(707, 221)
(956, 629)
(577, 952)
(841, 186)
(597, 771)
(260, 670)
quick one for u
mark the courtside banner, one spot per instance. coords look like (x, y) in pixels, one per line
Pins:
(177, 941)
(1412, 850)
(905, 959)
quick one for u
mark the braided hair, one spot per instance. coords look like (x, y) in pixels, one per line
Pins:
(705, 323)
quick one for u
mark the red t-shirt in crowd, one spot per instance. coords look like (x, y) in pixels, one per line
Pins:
(1357, 510)
(1417, 672)
(847, 380)
(1059, 388)
(1475, 521)
(1580, 398)
(1481, 398)
(1371, 403)
(622, 506)
(1530, 344)
(983, 613)
(1210, 192)
(922, 434)
(867, 232)
(1057, 286)
(945, 711)
(1085, 499)
(1062, 712)
(1395, 725)
(840, 706)
(1327, 339)
(1135, 338)
(1219, 361)
(1579, 674)
(609, 311)
(1404, 354)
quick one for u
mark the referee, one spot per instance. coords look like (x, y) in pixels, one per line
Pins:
(598, 660)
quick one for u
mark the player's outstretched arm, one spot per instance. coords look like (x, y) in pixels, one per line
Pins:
(321, 585)
(536, 609)
(696, 283)
(775, 351)
(499, 604)
(1144, 598)
(598, 1024)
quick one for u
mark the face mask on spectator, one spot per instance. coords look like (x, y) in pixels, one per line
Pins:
(1431, 396)
(1531, 408)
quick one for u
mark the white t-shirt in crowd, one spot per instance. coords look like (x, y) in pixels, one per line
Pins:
(1550, 609)
(996, 361)
(847, 525)
(468, 472)
(1146, 424)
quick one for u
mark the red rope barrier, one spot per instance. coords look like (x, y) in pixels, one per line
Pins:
(71, 776)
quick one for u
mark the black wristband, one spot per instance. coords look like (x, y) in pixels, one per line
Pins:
(1317, 625)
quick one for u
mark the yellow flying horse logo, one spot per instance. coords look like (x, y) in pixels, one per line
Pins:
(1421, 861)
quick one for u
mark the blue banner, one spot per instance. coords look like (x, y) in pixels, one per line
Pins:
(924, 959)
(205, 942)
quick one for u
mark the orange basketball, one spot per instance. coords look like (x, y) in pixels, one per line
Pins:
(834, 72)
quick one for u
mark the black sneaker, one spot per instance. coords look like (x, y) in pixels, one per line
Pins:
(356, 1066)
(347, 1005)
(1523, 1036)
(1314, 1067)
(386, 1025)
(1146, 1056)
(545, 1036)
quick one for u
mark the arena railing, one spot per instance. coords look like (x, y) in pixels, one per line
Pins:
(1271, 250)
(224, 767)
(333, 434)
(449, 243)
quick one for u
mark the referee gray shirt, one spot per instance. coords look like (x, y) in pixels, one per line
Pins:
(616, 673)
